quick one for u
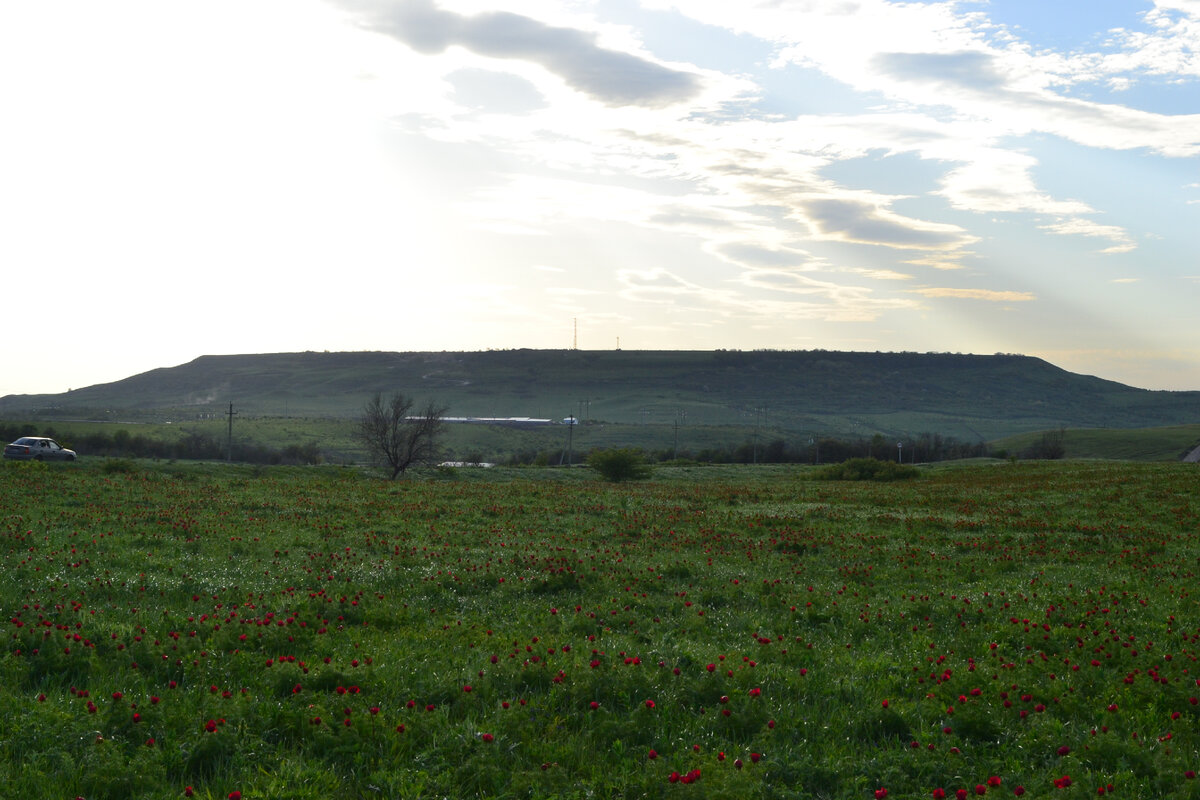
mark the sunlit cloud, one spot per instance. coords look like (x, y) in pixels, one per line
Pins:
(1076, 226)
(989, 295)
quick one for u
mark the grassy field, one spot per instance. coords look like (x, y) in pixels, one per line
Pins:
(1144, 444)
(195, 630)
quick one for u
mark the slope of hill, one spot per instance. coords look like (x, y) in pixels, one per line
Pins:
(827, 392)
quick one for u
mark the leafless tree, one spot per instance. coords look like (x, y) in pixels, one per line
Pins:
(395, 436)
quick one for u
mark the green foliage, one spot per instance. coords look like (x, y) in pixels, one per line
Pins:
(26, 466)
(619, 464)
(114, 465)
(866, 469)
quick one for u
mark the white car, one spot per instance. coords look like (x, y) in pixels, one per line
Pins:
(38, 448)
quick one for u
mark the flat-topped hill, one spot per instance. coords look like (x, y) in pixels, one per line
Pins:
(830, 392)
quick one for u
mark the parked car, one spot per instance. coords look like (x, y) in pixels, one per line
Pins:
(38, 448)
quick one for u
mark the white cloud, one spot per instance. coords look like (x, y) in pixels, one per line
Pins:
(989, 295)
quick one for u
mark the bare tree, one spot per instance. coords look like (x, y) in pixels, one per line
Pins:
(396, 437)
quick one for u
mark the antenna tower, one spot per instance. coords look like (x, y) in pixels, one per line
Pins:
(575, 339)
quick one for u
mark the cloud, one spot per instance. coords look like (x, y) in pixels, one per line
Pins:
(753, 254)
(972, 70)
(998, 180)
(1077, 226)
(977, 294)
(879, 274)
(823, 300)
(865, 221)
(613, 77)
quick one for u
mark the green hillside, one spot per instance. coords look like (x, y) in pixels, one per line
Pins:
(970, 397)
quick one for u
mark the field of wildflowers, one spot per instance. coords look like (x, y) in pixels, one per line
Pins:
(1000, 630)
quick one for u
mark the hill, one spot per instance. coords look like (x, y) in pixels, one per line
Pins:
(823, 392)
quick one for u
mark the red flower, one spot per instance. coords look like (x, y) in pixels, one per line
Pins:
(881, 793)
(187, 791)
(235, 795)
(211, 726)
(487, 737)
(1020, 790)
(652, 755)
(755, 757)
(980, 789)
(961, 794)
(939, 794)
(649, 704)
(994, 780)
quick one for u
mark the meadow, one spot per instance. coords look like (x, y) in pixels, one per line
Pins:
(220, 631)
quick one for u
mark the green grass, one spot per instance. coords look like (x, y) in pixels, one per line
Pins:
(935, 632)
(1144, 444)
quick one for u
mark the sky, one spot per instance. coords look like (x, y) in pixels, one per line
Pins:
(238, 176)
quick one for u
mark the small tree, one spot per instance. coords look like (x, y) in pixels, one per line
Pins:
(625, 464)
(397, 438)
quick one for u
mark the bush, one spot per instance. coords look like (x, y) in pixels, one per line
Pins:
(624, 464)
(866, 469)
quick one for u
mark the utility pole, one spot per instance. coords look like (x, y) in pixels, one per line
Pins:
(229, 440)
(570, 436)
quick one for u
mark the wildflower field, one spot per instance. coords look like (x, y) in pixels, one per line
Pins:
(209, 631)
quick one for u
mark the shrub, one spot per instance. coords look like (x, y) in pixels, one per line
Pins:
(866, 469)
(624, 464)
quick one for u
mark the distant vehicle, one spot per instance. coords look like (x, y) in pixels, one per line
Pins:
(38, 448)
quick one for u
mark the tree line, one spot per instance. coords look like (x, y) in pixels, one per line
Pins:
(190, 446)
(923, 448)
